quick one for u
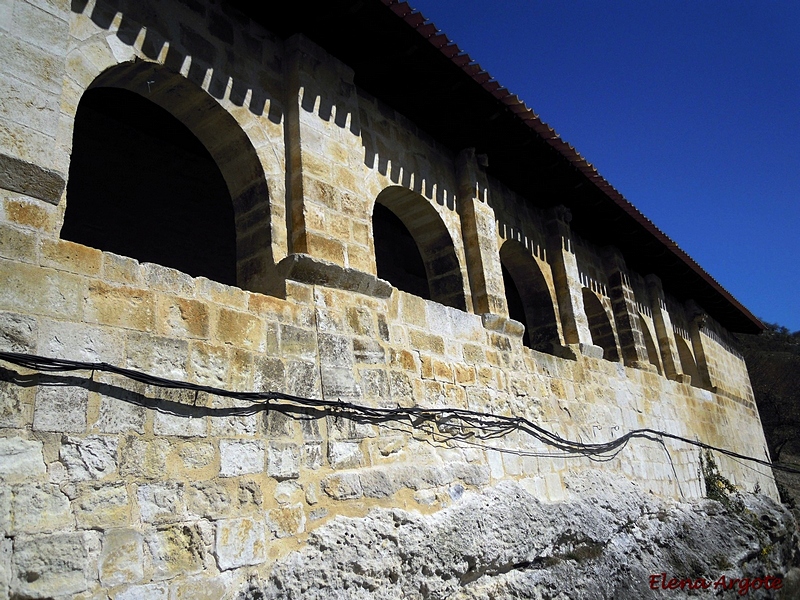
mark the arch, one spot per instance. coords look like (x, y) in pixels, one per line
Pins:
(529, 298)
(424, 226)
(650, 346)
(688, 364)
(155, 108)
(600, 325)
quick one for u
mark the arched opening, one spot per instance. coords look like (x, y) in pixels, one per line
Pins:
(600, 325)
(688, 364)
(161, 172)
(652, 352)
(423, 227)
(396, 254)
(142, 185)
(528, 298)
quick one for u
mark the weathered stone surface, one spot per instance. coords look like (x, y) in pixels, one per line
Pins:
(144, 458)
(51, 565)
(176, 550)
(40, 508)
(283, 461)
(120, 415)
(241, 457)
(102, 505)
(345, 455)
(182, 425)
(343, 486)
(287, 521)
(17, 332)
(208, 499)
(92, 457)
(161, 502)
(202, 588)
(20, 458)
(149, 591)
(122, 557)
(603, 543)
(61, 408)
(240, 542)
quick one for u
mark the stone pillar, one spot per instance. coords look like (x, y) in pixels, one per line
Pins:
(479, 232)
(697, 320)
(567, 282)
(666, 336)
(321, 102)
(626, 314)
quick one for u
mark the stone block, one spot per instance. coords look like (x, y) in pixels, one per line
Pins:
(339, 383)
(17, 244)
(21, 459)
(283, 460)
(51, 565)
(69, 256)
(143, 458)
(92, 457)
(99, 506)
(202, 587)
(17, 333)
(335, 350)
(268, 374)
(120, 415)
(35, 290)
(122, 269)
(196, 455)
(295, 341)
(61, 408)
(345, 455)
(19, 97)
(149, 591)
(240, 329)
(208, 499)
(185, 425)
(368, 351)
(159, 356)
(378, 482)
(343, 486)
(16, 405)
(426, 342)
(161, 502)
(180, 317)
(120, 306)
(241, 457)
(240, 542)
(40, 508)
(165, 279)
(312, 455)
(287, 521)
(122, 557)
(79, 342)
(176, 550)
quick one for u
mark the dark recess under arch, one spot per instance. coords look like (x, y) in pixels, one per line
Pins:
(142, 185)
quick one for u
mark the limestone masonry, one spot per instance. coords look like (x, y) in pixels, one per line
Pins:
(335, 203)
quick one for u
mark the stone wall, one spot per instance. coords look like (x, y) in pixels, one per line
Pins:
(116, 488)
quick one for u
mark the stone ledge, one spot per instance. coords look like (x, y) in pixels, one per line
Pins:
(30, 179)
(307, 269)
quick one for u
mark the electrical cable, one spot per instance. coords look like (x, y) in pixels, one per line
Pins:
(451, 423)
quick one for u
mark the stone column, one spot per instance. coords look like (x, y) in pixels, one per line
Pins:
(626, 314)
(697, 320)
(567, 282)
(479, 232)
(321, 103)
(666, 336)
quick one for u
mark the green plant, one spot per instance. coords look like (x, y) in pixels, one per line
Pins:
(719, 487)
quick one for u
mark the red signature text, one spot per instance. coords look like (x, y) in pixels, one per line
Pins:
(742, 585)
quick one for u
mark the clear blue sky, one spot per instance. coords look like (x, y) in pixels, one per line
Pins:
(690, 109)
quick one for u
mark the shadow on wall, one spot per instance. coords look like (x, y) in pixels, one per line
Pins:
(600, 325)
(186, 44)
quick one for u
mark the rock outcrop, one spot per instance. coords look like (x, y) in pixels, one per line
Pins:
(608, 540)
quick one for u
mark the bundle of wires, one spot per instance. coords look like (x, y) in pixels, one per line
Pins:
(443, 424)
